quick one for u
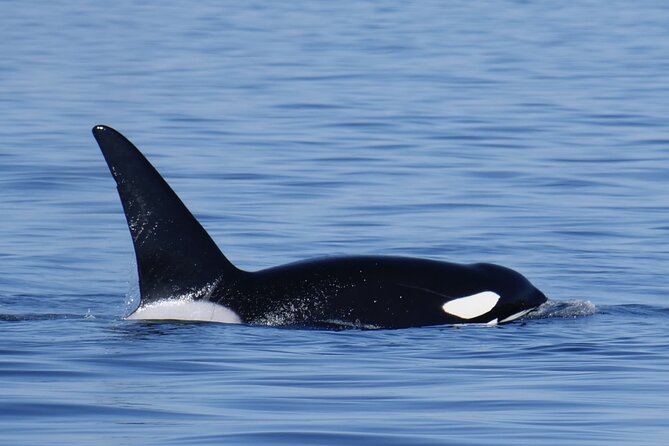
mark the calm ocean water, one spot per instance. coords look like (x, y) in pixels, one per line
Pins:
(530, 134)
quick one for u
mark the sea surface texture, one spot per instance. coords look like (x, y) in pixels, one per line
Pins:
(529, 134)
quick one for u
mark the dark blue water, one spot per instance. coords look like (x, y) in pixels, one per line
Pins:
(530, 134)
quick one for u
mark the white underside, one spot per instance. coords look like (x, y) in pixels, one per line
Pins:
(469, 307)
(186, 310)
(515, 316)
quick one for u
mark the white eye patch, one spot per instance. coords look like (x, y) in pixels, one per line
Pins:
(469, 307)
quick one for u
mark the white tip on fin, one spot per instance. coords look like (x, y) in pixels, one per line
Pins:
(469, 307)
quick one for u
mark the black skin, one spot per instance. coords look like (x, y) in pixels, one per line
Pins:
(383, 292)
(176, 257)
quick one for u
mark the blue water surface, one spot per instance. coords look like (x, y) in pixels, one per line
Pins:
(529, 134)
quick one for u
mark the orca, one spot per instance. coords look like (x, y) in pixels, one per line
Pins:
(183, 275)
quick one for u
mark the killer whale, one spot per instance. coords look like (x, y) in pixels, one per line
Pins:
(184, 275)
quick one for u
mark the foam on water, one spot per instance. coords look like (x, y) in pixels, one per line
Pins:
(563, 309)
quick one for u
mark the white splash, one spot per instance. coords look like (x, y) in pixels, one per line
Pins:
(186, 310)
(563, 309)
(469, 307)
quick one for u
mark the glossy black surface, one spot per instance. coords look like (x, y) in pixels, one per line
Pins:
(176, 257)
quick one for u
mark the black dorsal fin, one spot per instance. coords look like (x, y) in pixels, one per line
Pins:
(175, 255)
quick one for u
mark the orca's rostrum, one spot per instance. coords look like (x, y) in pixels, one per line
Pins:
(184, 276)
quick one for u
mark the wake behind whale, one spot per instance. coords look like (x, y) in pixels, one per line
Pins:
(183, 275)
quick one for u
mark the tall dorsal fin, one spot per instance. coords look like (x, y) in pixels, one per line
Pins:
(175, 255)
